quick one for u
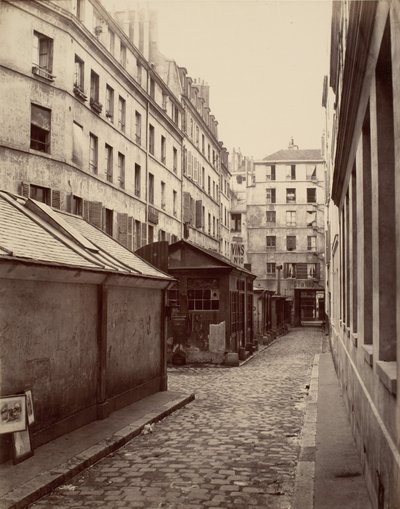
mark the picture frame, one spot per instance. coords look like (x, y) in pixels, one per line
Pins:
(13, 413)
(29, 407)
(22, 445)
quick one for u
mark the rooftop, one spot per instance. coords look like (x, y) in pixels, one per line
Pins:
(295, 155)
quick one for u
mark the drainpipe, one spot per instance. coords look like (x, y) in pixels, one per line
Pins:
(278, 289)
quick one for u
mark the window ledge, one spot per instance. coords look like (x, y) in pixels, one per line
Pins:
(368, 354)
(387, 372)
(354, 339)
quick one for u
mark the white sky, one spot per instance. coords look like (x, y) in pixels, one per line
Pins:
(263, 59)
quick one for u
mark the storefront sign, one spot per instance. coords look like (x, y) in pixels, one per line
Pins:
(237, 253)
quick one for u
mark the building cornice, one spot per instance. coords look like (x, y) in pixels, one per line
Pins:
(361, 24)
(201, 121)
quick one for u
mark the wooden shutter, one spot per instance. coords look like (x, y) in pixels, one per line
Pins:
(317, 271)
(186, 207)
(199, 214)
(122, 224)
(168, 238)
(25, 189)
(95, 213)
(56, 199)
(86, 208)
(144, 234)
(129, 243)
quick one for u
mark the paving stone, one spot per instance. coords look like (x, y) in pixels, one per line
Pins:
(235, 446)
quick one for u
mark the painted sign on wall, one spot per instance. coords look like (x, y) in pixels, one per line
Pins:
(237, 252)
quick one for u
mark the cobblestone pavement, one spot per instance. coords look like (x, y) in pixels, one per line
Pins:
(235, 446)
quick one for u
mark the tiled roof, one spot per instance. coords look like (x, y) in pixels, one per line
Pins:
(295, 155)
(34, 231)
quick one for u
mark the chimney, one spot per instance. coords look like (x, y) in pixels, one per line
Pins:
(292, 146)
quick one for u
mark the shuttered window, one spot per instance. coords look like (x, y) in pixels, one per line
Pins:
(40, 128)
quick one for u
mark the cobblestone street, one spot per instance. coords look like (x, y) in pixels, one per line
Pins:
(236, 445)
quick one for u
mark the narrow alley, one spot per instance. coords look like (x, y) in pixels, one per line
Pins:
(235, 445)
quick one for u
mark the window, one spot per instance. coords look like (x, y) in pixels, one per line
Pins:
(213, 226)
(237, 222)
(151, 234)
(213, 157)
(311, 195)
(311, 218)
(271, 216)
(290, 270)
(163, 149)
(151, 139)
(139, 73)
(138, 230)
(312, 243)
(121, 113)
(164, 101)
(197, 135)
(214, 189)
(271, 172)
(79, 9)
(175, 159)
(174, 198)
(77, 144)
(163, 204)
(311, 172)
(108, 221)
(94, 87)
(93, 153)
(76, 205)
(173, 295)
(138, 127)
(109, 162)
(209, 223)
(110, 103)
(152, 88)
(290, 218)
(291, 243)
(209, 151)
(271, 242)
(271, 269)
(42, 194)
(209, 184)
(111, 40)
(203, 299)
(42, 55)
(203, 144)
(79, 73)
(293, 172)
(40, 128)
(151, 188)
(122, 54)
(121, 170)
(203, 177)
(270, 195)
(312, 270)
(137, 180)
(290, 195)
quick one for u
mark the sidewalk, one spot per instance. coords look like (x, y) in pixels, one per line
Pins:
(58, 461)
(329, 474)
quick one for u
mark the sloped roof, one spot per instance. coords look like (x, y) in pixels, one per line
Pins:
(35, 232)
(295, 155)
(208, 252)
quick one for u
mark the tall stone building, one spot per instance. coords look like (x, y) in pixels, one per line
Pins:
(285, 228)
(362, 104)
(91, 125)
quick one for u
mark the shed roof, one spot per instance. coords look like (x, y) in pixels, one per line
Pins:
(294, 155)
(35, 232)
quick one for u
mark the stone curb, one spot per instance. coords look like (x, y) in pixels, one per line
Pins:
(260, 350)
(303, 496)
(47, 481)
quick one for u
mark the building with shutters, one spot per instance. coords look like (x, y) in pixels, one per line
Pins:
(362, 98)
(285, 229)
(88, 126)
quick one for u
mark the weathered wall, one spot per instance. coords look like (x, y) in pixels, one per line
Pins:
(49, 344)
(134, 353)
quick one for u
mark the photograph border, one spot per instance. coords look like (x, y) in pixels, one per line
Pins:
(21, 425)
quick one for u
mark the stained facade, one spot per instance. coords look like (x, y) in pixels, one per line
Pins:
(362, 100)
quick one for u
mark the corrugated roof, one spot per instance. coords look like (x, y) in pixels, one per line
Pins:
(295, 155)
(34, 231)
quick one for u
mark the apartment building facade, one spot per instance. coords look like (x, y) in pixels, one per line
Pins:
(362, 110)
(285, 229)
(88, 125)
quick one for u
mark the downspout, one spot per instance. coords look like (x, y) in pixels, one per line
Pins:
(163, 339)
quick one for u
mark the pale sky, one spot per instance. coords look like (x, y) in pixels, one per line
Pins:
(263, 59)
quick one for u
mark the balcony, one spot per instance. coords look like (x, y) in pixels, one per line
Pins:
(78, 91)
(95, 105)
(42, 73)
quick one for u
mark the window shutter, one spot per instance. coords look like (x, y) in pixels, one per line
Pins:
(69, 204)
(25, 189)
(144, 234)
(192, 211)
(86, 207)
(95, 213)
(56, 199)
(130, 233)
(122, 222)
(285, 270)
(168, 238)
(186, 207)
(317, 271)
(199, 214)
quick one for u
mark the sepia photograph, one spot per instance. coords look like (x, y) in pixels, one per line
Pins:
(200, 254)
